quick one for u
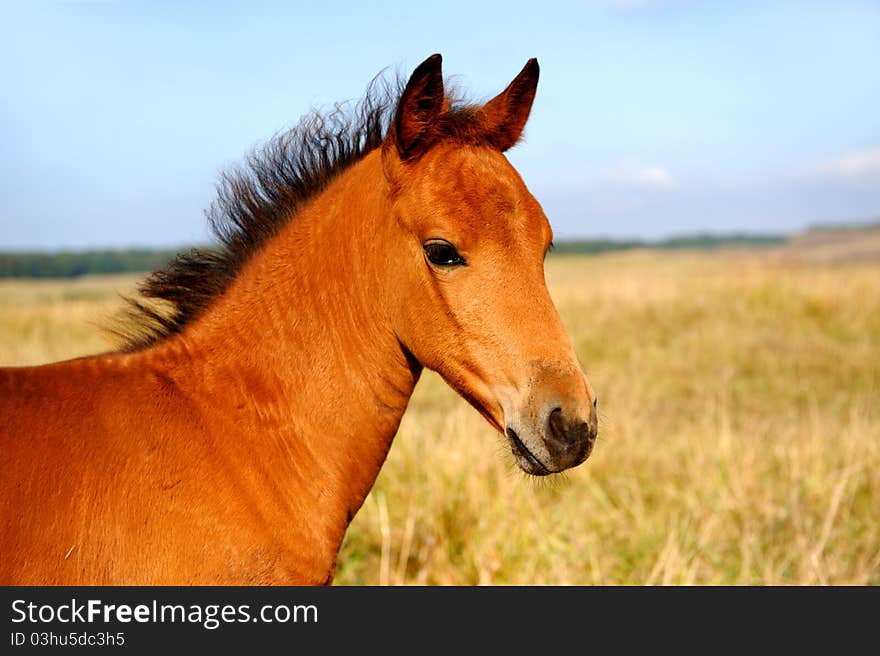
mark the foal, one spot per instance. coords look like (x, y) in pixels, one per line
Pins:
(235, 438)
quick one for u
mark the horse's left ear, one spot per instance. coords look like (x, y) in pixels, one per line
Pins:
(505, 116)
(420, 104)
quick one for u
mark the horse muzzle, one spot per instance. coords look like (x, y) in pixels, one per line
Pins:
(561, 440)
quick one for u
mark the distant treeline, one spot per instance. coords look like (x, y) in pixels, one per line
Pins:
(867, 224)
(699, 242)
(74, 264)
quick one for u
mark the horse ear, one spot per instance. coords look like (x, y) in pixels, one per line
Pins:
(420, 105)
(505, 116)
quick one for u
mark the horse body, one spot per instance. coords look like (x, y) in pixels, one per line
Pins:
(193, 461)
(238, 448)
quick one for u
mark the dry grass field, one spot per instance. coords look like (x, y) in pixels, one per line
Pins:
(739, 434)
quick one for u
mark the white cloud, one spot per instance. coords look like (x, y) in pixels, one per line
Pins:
(630, 174)
(858, 166)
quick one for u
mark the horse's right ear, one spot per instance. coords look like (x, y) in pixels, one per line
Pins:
(419, 106)
(505, 116)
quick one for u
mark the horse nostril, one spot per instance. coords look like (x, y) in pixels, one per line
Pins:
(557, 425)
(570, 433)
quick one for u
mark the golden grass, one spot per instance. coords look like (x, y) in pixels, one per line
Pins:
(739, 434)
(48, 320)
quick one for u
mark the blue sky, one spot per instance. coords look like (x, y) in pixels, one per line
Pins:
(652, 118)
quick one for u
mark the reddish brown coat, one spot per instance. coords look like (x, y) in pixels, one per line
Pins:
(237, 450)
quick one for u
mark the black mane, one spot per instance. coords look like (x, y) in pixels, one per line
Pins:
(255, 200)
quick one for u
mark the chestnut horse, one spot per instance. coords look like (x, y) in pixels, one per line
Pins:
(238, 433)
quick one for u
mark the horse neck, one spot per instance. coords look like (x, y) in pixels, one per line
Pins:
(300, 352)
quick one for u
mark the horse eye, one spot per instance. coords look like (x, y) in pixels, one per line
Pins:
(442, 253)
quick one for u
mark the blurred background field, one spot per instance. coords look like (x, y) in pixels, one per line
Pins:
(739, 435)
